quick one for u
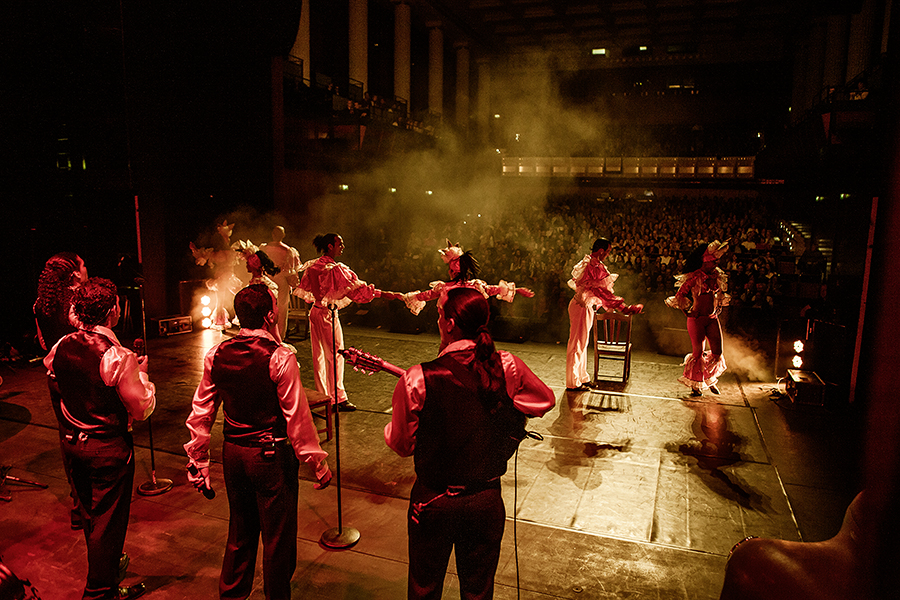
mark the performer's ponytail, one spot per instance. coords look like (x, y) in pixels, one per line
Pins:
(470, 311)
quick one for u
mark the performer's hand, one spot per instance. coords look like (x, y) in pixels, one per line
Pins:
(143, 363)
(198, 477)
(525, 292)
(324, 479)
(633, 309)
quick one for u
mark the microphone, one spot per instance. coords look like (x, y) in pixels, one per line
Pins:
(205, 489)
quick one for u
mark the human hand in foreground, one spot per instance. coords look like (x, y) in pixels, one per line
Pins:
(198, 476)
(324, 479)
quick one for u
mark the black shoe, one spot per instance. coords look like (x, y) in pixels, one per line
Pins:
(714, 389)
(123, 566)
(581, 388)
(131, 591)
(695, 392)
(346, 406)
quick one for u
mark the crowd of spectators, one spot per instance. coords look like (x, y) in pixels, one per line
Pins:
(537, 246)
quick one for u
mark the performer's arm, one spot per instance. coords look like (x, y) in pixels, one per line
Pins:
(507, 290)
(120, 367)
(40, 335)
(204, 407)
(409, 394)
(301, 430)
(529, 394)
(415, 301)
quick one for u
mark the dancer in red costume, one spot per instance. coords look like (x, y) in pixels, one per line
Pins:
(593, 285)
(701, 296)
(327, 283)
(463, 268)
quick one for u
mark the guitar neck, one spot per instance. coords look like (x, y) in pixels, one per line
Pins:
(393, 369)
(369, 363)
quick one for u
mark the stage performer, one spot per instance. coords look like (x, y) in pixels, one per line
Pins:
(258, 263)
(327, 283)
(268, 430)
(61, 276)
(463, 270)
(222, 259)
(700, 295)
(445, 415)
(287, 259)
(102, 387)
(593, 285)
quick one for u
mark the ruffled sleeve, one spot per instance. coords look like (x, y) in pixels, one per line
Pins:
(594, 285)
(415, 301)
(326, 282)
(505, 290)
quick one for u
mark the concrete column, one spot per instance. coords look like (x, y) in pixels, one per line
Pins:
(799, 93)
(402, 49)
(301, 43)
(435, 67)
(359, 42)
(836, 50)
(859, 53)
(462, 86)
(483, 114)
(815, 72)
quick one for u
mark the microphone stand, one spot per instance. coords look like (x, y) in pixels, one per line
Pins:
(155, 486)
(338, 538)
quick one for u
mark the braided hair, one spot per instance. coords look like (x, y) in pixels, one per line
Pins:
(470, 312)
(55, 283)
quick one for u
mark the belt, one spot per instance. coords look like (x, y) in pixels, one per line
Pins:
(71, 434)
(254, 442)
(465, 490)
(473, 488)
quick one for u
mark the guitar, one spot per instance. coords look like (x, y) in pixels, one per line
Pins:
(369, 363)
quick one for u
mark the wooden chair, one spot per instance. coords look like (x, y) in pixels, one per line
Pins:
(297, 319)
(612, 341)
(317, 400)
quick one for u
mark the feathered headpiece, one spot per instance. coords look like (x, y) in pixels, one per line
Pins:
(451, 253)
(246, 248)
(225, 228)
(715, 250)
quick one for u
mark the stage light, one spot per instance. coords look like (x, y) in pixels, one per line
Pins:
(205, 300)
(599, 51)
(344, 187)
(428, 192)
(393, 190)
(206, 322)
(797, 360)
(206, 311)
